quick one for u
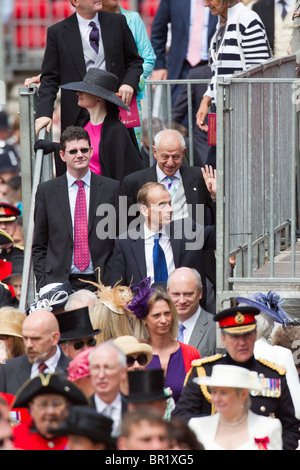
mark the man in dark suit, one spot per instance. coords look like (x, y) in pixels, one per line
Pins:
(68, 56)
(41, 335)
(108, 369)
(173, 64)
(54, 241)
(182, 241)
(198, 328)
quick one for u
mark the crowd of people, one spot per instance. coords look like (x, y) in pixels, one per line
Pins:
(119, 350)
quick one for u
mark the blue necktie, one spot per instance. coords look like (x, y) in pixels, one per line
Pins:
(94, 36)
(159, 262)
(284, 10)
(180, 332)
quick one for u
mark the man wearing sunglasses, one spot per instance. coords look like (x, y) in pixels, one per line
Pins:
(76, 331)
(67, 243)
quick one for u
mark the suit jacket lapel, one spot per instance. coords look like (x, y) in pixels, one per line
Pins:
(74, 43)
(138, 252)
(63, 201)
(96, 192)
(107, 37)
(199, 330)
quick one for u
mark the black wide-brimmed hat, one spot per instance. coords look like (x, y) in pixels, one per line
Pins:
(99, 83)
(16, 268)
(76, 324)
(51, 383)
(86, 421)
(146, 386)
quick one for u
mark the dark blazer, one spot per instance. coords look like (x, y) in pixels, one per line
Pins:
(177, 13)
(265, 10)
(14, 372)
(193, 183)
(203, 336)
(129, 259)
(64, 62)
(53, 235)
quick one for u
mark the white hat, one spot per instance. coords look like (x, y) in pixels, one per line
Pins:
(231, 376)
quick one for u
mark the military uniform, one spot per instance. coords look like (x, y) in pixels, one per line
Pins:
(26, 437)
(275, 399)
(295, 39)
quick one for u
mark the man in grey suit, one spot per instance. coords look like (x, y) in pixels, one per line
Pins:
(199, 330)
(41, 335)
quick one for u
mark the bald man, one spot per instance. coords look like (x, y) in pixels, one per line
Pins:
(41, 335)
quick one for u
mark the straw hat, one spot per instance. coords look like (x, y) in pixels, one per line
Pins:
(11, 322)
(224, 375)
(130, 345)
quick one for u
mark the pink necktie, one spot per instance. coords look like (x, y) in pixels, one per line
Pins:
(81, 245)
(194, 49)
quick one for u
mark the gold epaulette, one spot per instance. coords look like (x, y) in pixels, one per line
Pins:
(205, 360)
(280, 369)
(20, 247)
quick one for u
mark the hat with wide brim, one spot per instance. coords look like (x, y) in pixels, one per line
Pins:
(11, 322)
(46, 384)
(76, 324)
(86, 421)
(130, 345)
(99, 83)
(224, 375)
(145, 386)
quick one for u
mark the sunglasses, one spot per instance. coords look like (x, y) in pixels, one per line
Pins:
(80, 344)
(75, 151)
(4, 337)
(141, 359)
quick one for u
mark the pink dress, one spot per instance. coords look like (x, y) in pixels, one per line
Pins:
(95, 135)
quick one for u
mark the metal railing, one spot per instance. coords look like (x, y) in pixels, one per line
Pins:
(257, 160)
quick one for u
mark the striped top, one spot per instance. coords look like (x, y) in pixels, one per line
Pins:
(243, 45)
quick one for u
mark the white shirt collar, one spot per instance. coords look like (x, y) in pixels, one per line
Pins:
(86, 179)
(161, 176)
(85, 23)
(100, 404)
(51, 364)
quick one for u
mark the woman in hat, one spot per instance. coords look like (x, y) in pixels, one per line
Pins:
(234, 426)
(11, 321)
(115, 149)
(156, 323)
(110, 313)
(79, 372)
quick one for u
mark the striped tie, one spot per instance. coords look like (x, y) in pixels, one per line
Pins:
(171, 187)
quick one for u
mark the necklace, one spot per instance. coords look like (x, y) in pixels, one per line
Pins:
(234, 423)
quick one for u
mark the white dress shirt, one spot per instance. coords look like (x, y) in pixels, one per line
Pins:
(85, 30)
(189, 326)
(115, 412)
(164, 242)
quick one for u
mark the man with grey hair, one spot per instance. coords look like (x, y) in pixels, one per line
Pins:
(190, 196)
(108, 368)
(196, 325)
(81, 298)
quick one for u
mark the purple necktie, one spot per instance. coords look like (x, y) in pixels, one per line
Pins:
(81, 245)
(94, 36)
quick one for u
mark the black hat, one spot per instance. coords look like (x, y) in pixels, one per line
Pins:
(16, 269)
(8, 212)
(99, 83)
(76, 324)
(86, 421)
(145, 386)
(51, 383)
(4, 120)
(5, 238)
(237, 320)
(52, 297)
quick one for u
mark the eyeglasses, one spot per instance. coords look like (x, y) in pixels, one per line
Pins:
(141, 359)
(80, 344)
(4, 337)
(75, 151)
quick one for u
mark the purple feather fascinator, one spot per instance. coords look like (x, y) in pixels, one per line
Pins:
(139, 303)
(270, 304)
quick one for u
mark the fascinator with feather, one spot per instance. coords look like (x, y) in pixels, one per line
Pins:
(269, 304)
(141, 295)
